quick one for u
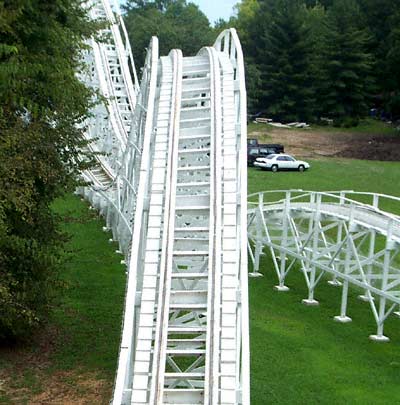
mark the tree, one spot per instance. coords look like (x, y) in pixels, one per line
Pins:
(43, 106)
(307, 58)
(315, 3)
(392, 84)
(316, 23)
(283, 58)
(247, 12)
(177, 24)
(192, 28)
(348, 82)
(248, 30)
(382, 19)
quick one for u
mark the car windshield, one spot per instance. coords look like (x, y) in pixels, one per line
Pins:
(266, 151)
(270, 156)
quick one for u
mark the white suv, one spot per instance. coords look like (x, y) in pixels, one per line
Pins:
(281, 162)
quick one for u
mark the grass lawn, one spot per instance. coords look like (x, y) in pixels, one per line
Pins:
(91, 312)
(298, 354)
(332, 175)
(366, 126)
(73, 360)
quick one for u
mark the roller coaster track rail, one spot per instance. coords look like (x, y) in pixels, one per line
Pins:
(169, 180)
(353, 237)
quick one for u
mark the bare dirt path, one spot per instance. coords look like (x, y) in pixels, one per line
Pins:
(314, 143)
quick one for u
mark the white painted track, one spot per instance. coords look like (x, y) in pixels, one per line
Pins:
(111, 128)
(363, 216)
(171, 183)
(355, 237)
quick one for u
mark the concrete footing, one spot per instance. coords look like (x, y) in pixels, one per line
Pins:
(281, 288)
(342, 319)
(255, 274)
(310, 303)
(379, 338)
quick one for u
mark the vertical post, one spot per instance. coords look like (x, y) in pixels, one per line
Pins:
(335, 282)
(371, 252)
(380, 337)
(310, 230)
(259, 246)
(343, 318)
(342, 198)
(285, 225)
(310, 301)
(375, 201)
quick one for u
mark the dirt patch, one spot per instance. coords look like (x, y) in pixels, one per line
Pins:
(65, 388)
(315, 143)
(383, 148)
(34, 354)
(26, 376)
(59, 388)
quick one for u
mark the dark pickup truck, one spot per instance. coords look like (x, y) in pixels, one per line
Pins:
(260, 150)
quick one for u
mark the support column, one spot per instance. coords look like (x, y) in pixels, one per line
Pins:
(285, 225)
(310, 301)
(335, 282)
(258, 251)
(380, 337)
(343, 318)
(371, 252)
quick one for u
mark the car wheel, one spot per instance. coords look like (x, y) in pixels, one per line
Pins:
(274, 168)
(301, 168)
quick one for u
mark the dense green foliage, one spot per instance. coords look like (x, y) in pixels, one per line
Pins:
(42, 104)
(177, 24)
(284, 60)
(314, 59)
(305, 59)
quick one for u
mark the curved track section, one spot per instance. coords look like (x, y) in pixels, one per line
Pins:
(185, 332)
(354, 237)
(114, 138)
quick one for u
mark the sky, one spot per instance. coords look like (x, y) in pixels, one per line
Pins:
(215, 9)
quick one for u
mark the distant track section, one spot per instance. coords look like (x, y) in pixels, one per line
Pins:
(171, 179)
(354, 237)
(112, 130)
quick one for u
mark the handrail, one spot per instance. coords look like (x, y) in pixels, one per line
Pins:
(388, 196)
(166, 257)
(228, 42)
(127, 340)
(340, 195)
